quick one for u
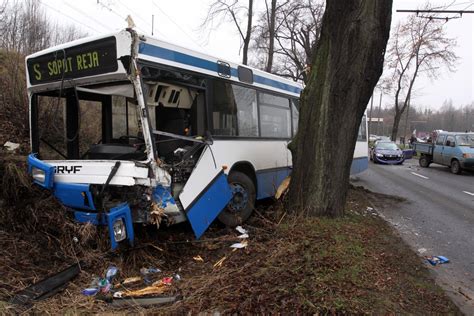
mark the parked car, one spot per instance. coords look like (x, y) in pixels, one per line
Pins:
(455, 150)
(373, 138)
(386, 152)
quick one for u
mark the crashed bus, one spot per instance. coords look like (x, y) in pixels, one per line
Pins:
(129, 129)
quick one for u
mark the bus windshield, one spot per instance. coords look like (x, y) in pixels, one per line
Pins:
(84, 123)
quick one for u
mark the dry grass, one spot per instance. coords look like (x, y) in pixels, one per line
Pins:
(354, 264)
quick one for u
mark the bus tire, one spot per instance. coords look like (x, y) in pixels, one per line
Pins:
(424, 161)
(242, 203)
(455, 167)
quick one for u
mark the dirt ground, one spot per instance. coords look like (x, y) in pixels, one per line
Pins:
(355, 264)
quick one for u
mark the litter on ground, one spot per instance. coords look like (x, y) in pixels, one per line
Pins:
(435, 260)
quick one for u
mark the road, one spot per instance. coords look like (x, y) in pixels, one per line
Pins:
(436, 219)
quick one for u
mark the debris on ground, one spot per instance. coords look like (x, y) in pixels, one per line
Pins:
(11, 146)
(421, 250)
(435, 260)
(283, 187)
(349, 264)
(148, 301)
(46, 287)
(240, 245)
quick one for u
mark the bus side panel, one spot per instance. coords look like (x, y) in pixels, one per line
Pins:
(209, 204)
(268, 181)
(205, 194)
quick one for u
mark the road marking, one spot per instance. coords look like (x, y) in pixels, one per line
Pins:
(470, 193)
(419, 175)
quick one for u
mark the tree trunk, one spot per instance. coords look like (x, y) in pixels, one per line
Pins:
(271, 37)
(345, 70)
(396, 123)
(248, 34)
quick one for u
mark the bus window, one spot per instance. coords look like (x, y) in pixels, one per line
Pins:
(275, 119)
(295, 114)
(234, 110)
(362, 136)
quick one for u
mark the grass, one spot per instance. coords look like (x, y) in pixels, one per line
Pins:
(354, 264)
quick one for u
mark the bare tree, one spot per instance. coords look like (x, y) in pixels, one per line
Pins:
(286, 37)
(265, 30)
(418, 46)
(233, 11)
(25, 29)
(345, 69)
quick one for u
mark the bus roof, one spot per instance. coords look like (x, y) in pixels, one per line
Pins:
(46, 69)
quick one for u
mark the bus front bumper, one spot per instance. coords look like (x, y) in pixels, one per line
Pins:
(78, 198)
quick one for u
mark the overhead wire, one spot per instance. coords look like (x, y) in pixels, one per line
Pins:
(141, 18)
(68, 16)
(107, 28)
(117, 14)
(176, 24)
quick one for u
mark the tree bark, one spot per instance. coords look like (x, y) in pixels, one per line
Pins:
(345, 70)
(248, 34)
(271, 36)
(396, 124)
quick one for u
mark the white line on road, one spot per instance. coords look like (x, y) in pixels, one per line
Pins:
(470, 193)
(419, 175)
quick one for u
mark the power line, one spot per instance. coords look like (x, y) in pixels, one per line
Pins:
(107, 28)
(68, 16)
(139, 17)
(117, 14)
(176, 24)
(461, 12)
(132, 11)
(431, 17)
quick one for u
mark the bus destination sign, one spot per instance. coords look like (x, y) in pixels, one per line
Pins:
(89, 59)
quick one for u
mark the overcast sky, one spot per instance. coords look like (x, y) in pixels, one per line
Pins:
(178, 21)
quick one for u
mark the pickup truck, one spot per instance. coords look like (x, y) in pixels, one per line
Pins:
(455, 150)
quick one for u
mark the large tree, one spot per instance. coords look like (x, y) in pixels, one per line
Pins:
(418, 46)
(345, 69)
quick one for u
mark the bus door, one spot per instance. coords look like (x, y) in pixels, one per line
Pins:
(206, 193)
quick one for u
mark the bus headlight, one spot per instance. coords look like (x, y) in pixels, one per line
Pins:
(119, 230)
(38, 174)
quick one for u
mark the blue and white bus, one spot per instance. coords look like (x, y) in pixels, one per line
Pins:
(130, 129)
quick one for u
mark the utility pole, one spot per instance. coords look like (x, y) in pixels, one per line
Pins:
(152, 24)
(447, 18)
(380, 109)
(370, 113)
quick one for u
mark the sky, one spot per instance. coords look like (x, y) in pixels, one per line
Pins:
(178, 21)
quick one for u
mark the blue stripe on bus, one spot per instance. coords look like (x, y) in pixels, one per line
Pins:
(359, 164)
(168, 54)
(269, 180)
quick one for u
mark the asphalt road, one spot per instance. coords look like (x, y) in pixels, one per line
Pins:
(437, 218)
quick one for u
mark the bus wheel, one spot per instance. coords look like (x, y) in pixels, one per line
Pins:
(242, 203)
(455, 167)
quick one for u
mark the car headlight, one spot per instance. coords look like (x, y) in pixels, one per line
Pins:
(468, 155)
(378, 155)
(119, 230)
(38, 174)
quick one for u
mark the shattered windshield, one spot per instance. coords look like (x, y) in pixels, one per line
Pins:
(465, 140)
